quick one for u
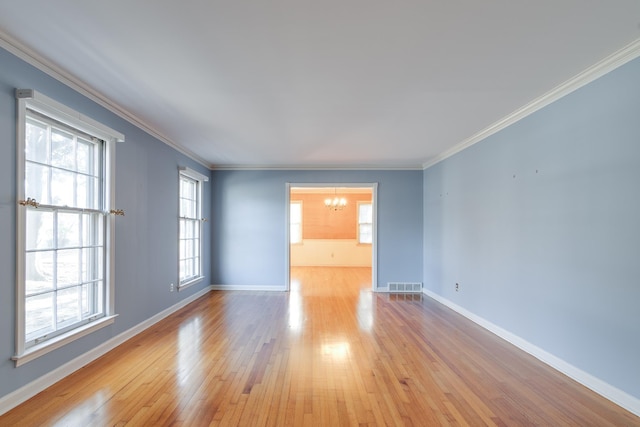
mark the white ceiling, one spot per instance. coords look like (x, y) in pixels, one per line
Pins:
(340, 83)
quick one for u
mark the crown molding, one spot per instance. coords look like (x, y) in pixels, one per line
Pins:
(608, 64)
(317, 168)
(31, 57)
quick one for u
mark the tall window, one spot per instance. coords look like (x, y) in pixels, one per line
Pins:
(295, 222)
(63, 250)
(190, 234)
(365, 223)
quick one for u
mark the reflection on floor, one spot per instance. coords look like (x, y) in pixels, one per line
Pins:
(329, 352)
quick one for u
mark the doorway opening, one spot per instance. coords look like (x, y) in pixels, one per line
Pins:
(331, 225)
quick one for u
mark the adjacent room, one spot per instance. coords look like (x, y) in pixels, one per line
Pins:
(331, 233)
(343, 213)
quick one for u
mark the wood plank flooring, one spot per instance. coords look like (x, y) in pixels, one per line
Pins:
(330, 352)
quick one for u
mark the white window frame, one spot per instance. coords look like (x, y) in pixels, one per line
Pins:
(360, 242)
(200, 179)
(32, 100)
(298, 225)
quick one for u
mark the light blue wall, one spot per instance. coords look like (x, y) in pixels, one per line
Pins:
(146, 238)
(540, 226)
(249, 227)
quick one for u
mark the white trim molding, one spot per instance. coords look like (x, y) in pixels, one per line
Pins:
(26, 392)
(606, 390)
(193, 174)
(320, 167)
(608, 64)
(57, 342)
(268, 288)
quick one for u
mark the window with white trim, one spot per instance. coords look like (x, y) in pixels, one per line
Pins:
(190, 228)
(365, 223)
(295, 222)
(64, 232)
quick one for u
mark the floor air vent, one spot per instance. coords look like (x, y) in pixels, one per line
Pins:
(404, 287)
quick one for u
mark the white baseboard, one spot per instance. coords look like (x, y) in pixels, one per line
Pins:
(606, 390)
(248, 288)
(26, 392)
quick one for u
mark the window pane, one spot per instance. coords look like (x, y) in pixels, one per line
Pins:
(62, 188)
(62, 149)
(68, 229)
(188, 200)
(36, 147)
(366, 235)
(296, 235)
(184, 187)
(68, 306)
(190, 267)
(188, 208)
(93, 295)
(91, 264)
(92, 229)
(87, 192)
(183, 270)
(295, 222)
(86, 298)
(188, 188)
(296, 213)
(85, 157)
(37, 182)
(188, 249)
(196, 229)
(38, 315)
(92, 196)
(365, 213)
(190, 229)
(39, 229)
(38, 272)
(68, 267)
(83, 192)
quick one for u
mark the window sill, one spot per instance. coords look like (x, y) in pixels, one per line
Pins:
(190, 282)
(43, 348)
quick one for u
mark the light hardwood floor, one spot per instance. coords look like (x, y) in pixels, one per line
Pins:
(330, 352)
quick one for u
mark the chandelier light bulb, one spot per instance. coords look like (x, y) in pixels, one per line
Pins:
(335, 203)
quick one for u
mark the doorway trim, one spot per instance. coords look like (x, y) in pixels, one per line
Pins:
(373, 186)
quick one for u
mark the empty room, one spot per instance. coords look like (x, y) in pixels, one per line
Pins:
(336, 213)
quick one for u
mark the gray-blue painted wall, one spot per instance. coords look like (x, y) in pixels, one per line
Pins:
(540, 226)
(146, 237)
(249, 226)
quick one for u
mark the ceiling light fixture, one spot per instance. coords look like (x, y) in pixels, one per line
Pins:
(335, 203)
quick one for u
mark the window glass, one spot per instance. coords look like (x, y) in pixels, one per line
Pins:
(365, 223)
(190, 236)
(61, 239)
(295, 221)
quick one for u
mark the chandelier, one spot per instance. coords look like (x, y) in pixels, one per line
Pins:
(335, 203)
